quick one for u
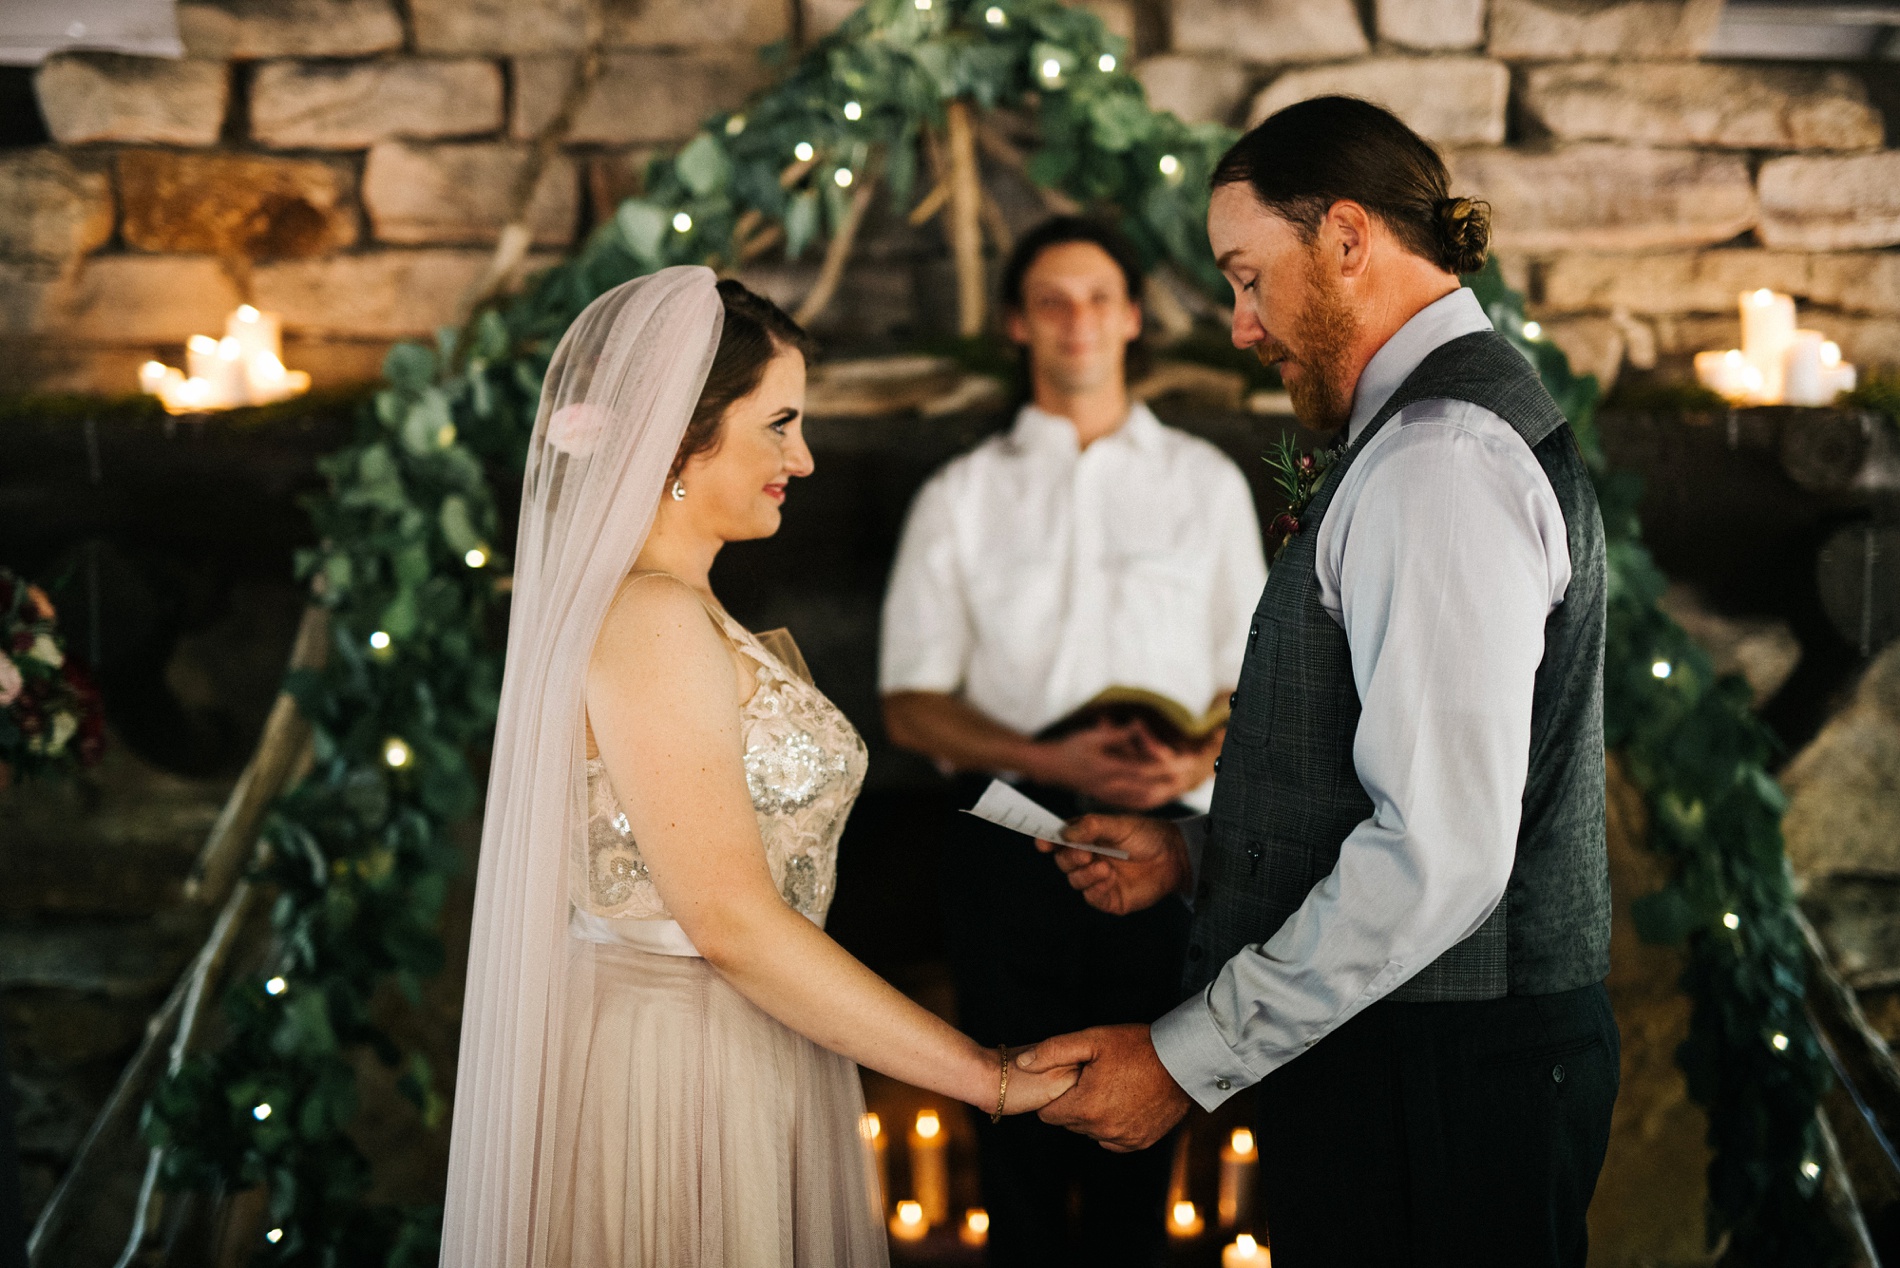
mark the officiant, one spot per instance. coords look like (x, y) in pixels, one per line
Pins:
(1086, 547)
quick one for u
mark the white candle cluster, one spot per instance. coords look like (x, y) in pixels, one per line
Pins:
(1777, 364)
(246, 367)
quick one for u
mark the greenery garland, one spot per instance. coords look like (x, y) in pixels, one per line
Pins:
(358, 855)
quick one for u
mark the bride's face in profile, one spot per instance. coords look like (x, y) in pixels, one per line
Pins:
(735, 489)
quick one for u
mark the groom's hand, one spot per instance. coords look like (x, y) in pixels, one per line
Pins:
(1157, 863)
(1125, 1100)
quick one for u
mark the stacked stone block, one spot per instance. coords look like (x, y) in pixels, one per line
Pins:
(349, 162)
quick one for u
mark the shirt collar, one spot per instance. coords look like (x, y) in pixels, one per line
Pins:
(1036, 428)
(1431, 327)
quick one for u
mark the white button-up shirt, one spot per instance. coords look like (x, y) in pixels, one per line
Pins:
(1033, 573)
(1441, 555)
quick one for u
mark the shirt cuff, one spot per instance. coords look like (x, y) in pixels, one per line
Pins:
(1190, 1046)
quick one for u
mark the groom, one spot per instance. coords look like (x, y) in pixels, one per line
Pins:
(1401, 901)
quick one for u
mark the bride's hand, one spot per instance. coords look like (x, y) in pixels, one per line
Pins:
(1029, 1092)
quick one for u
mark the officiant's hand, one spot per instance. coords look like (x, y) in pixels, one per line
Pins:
(1125, 1099)
(1031, 1090)
(1108, 762)
(1157, 863)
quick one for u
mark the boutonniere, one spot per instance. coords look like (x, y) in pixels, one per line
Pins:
(1298, 474)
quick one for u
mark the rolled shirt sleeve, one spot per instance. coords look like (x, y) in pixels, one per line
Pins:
(927, 632)
(1444, 552)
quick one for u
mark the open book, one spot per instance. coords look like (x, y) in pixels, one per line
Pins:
(1168, 720)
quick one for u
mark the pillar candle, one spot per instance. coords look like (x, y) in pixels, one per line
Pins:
(1803, 380)
(1184, 1221)
(1245, 1252)
(219, 364)
(876, 1160)
(976, 1227)
(1767, 332)
(1239, 1161)
(909, 1224)
(256, 332)
(1729, 374)
(930, 1166)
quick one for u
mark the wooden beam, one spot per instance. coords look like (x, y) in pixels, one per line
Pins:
(965, 221)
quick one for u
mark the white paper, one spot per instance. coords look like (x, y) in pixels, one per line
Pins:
(1007, 808)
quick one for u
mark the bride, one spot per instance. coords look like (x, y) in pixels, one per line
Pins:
(658, 1037)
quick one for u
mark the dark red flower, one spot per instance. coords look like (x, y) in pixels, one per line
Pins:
(1306, 462)
(1284, 526)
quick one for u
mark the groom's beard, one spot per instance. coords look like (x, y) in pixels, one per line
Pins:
(1323, 334)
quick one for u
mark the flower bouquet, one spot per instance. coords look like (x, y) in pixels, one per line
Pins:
(50, 718)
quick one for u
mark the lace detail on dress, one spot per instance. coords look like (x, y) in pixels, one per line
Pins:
(804, 766)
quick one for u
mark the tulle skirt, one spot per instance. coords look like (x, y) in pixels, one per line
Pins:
(694, 1131)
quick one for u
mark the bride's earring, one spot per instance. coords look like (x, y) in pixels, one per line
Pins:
(679, 491)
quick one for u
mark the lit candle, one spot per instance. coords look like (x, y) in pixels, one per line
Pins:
(1184, 1221)
(1730, 375)
(256, 332)
(1239, 1160)
(930, 1166)
(871, 1132)
(1767, 332)
(909, 1224)
(976, 1227)
(1803, 380)
(1245, 1252)
(1840, 376)
(152, 377)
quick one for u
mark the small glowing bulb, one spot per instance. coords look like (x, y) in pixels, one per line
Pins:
(802, 151)
(682, 222)
(1106, 61)
(1243, 1141)
(843, 177)
(396, 753)
(870, 1127)
(1780, 1042)
(995, 16)
(274, 1236)
(1169, 165)
(1662, 669)
(261, 1112)
(1051, 68)
(977, 1220)
(276, 986)
(1810, 1168)
(1183, 1214)
(923, 6)
(1731, 920)
(928, 1124)
(1533, 330)
(379, 640)
(476, 557)
(735, 125)
(853, 111)
(246, 314)
(909, 1212)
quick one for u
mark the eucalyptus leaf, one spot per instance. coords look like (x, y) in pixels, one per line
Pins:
(703, 166)
(643, 226)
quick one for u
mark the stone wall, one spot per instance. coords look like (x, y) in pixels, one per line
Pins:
(348, 162)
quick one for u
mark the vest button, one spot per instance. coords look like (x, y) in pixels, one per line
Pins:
(1233, 698)
(1217, 766)
(1556, 1074)
(1195, 953)
(1254, 632)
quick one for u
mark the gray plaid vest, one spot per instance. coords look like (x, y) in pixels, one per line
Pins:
(1288, 793)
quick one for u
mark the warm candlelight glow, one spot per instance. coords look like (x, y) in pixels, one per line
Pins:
(1185, 1221)
(1245, 1252)
(928, 1124)
(1776, 364)
(976, 1227)
(930, 1166)
(245, 367)
(909, 1225)
(869, 1127)
(871, 1133)
(1243, 1141)
(1239, 1172)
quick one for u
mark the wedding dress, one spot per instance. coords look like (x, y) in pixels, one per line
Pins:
(693, 1128)
(617, 1103)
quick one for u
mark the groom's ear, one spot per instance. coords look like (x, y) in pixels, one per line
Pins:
(1345, 238)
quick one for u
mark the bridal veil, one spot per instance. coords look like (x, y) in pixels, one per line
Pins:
(618, 394)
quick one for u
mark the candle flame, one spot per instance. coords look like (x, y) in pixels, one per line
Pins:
(202, 343)
(910, 1212)
(928, 1124)
(1243, 1141)
(246, 313)
(977, 1220)
(1246, 1244)
(869, 1127)
(1183, 1214)
(1762, 296)
(1830, 353)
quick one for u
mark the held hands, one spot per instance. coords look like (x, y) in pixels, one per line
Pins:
(1030, 1090)
(1124, 1098)
(1156, 867)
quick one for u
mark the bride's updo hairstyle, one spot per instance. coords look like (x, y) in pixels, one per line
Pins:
(755, 331)
(1305, 158)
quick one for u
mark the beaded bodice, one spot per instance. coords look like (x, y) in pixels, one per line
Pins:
(804, 765)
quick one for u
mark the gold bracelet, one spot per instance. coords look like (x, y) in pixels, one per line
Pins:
(1002, 1090)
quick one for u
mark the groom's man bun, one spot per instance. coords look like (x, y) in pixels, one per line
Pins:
(1305, 158)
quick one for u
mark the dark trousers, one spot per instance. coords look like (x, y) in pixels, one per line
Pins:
(12, 1219)
(1032, 960)
(1466, 1134)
